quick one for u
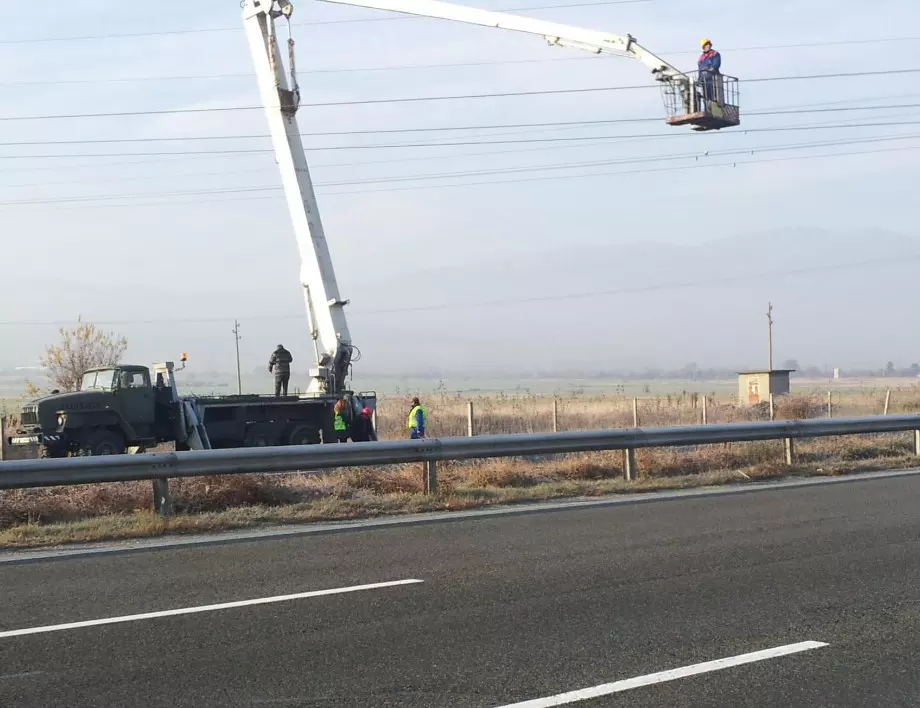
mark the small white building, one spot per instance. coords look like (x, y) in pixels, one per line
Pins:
(756, 386)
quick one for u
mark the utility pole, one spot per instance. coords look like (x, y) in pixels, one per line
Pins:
(236, 337)
(770, 335)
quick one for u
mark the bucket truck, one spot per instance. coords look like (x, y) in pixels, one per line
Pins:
(703, 105)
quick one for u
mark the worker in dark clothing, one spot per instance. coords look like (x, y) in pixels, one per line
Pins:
(710, 75)
(280, 365)
(362, 430)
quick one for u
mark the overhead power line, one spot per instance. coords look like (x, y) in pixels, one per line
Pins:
(499, 302)
(463, 143)
(418, 99)
(362, 20)
(453, 128)
(415, 67)
(480, 173)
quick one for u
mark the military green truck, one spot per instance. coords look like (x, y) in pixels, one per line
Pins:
(123, 409)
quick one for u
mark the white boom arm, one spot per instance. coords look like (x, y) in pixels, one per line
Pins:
(325, 307)
(555, 34)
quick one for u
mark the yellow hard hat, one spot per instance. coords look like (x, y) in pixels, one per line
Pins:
(704, 42)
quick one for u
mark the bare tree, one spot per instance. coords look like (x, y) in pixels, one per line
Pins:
(82, 347)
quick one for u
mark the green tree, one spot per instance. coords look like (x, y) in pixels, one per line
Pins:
(82, 347)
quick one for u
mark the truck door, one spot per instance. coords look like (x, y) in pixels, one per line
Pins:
(136, 401)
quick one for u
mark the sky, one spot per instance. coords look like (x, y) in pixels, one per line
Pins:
(170, 249)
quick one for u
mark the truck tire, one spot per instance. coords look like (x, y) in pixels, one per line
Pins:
(105, 442)
(303, 434)
(257, 438)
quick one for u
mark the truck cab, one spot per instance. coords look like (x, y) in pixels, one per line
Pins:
(114, 409)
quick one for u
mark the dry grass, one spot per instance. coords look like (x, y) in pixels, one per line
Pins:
(59, 515)
(112, 511)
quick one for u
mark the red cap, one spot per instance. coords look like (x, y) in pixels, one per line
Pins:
(366, 411)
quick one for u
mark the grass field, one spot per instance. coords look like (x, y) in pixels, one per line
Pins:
(94, 512)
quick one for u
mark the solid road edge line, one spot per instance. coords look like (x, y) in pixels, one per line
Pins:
(204, 608)
(664, 676)
(278, 532)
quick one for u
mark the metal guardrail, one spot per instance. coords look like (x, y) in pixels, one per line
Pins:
(166, 465)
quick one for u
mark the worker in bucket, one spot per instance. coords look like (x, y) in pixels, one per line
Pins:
(280, 365)
(710, 78)
(417, 423)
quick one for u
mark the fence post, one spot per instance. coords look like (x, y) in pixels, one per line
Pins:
(431, 477)
(887, 401)
(162, 502)
(830, 405)
(789, 450)
(705, 407)
(555, 415)
(917, 443)
(630, 466)
(772, 408)
(2, 438)
(470, 430)
(635, 412)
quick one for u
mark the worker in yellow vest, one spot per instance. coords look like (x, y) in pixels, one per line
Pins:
(339, 424)
(417, 423)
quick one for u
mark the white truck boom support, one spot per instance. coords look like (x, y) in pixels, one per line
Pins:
(708, 107)
(555, 34)
(325, 307)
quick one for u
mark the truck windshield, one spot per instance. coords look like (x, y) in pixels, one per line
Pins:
(98, 379)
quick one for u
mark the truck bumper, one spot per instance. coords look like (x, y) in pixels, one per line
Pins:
(31, 438)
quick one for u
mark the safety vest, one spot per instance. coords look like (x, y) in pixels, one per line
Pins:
(411, 422)
(339, 423)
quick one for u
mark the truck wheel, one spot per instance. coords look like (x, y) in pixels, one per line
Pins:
(104, 443)
(303, 435)
(256, 438)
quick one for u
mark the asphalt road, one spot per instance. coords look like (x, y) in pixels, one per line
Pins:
(510, 609)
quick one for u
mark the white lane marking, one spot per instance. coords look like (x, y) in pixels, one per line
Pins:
(204, 608)
(662, 676)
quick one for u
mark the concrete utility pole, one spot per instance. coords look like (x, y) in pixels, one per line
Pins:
(239, 377)
(770, 335)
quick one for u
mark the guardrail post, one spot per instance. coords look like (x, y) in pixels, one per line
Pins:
(555, 415)
(2, 437)
(431, 477)
(470, 430)
(162, 502)
(917, 443)
(630, 467)
(789, 450)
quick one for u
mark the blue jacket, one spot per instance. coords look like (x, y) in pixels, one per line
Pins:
(420, 421)
(709, 63)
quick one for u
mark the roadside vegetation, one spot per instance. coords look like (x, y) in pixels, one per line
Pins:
(48, 516)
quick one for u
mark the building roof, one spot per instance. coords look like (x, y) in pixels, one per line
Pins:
(766, 371)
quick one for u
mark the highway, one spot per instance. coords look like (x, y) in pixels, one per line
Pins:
(822, 583)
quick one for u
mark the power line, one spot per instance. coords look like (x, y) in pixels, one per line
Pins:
(417, 99)
(631, 172)
(503, 302)
(451, 128)
(204, 30)
(608, 140)
(452, 65)
(389, 146)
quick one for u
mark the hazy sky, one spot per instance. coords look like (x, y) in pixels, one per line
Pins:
(169, 249)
